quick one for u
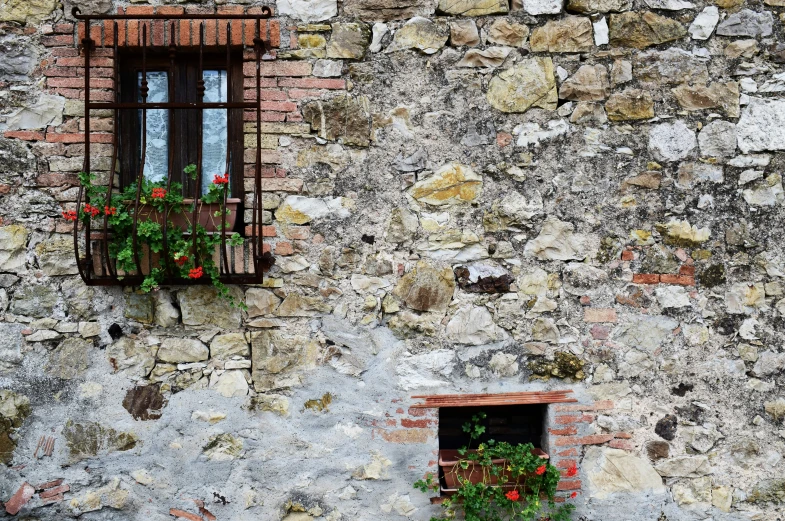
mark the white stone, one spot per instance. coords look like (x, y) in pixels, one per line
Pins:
(671, 141)
(693, 492)
(504, 364)
(363, 283)
(762, 126)
(327, 68)
(532, 134)
(308, 10)
(473, 325)
(536, 7)
(669, 5)
(745, 298)
(684, 467)
(766, 193)
(230, 383)
(379, 31)
(753, 160)
(212, 417)
(612, 471)
(718, 139)
(557, 241)
(46, 110)
(311, 208)
(672, 296)
(704, 24)
(425, 370)
(182, 350)
(601, 36)
(402, 505)
(646, 332)
(775, 84)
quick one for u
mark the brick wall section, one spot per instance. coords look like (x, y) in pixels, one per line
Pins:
(285, 86)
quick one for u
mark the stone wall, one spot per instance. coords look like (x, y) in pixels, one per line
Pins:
(462, 196)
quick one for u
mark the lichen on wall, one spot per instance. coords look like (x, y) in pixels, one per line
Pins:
(462, 196)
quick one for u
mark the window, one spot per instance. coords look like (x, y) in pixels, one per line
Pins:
(172, 136)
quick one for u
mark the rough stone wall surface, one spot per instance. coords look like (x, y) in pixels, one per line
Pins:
(462, 196)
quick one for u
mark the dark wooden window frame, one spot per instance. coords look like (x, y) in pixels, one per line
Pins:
(182, 133)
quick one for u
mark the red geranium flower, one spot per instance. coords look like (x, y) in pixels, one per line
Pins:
(221, 179)
(110, 210)
(70, 215)
(92, 210)
(158, 193)
(572, 471)
(574, 495)
(196, 273)
(182, 259)
(541, 470)
(512, 495)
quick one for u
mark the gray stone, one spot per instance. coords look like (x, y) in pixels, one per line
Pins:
(425, 370)
(166, 314)
(718, 139)
(70, 360)
(90, 439)
(224, 347)
(56, 256)
(670, 66)
(131, 357)
(10, 346)
(718, 96)
(643, 29)
(671, 141)
(229, 383)
(348, 41)
(473, 7)
(36, 301)
(182, 350)
(20, 57)
(139, 307)
(669, 5)
(202, 306)
(384, 10)
(580, 278)
(598, 6)
(15, 157)
(421, 34)
(530, 83)
(451, 184)
(630, 105)
(261, 302)
(308, 10)
(762, 126)
(13, 245)
(343, 118)
(473, 325)
(490, 58)
(276, 357)
(46, 110)
(747, 23)
(612, 471)
(297, 305)
(504, 364)
(327, 69)
(403, 225)
(645, 332)
(703, 24)
(684, 467)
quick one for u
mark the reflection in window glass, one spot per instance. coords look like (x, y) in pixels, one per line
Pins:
(157, 145)
(214, 128)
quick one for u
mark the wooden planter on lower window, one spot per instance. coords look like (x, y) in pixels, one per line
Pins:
(453, 472)
(205, 212)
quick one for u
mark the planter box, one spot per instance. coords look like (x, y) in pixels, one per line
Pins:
(448, 463)
(182, 220)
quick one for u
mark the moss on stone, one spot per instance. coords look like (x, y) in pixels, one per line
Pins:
(565, 365)
(320, 404)
(712, 276)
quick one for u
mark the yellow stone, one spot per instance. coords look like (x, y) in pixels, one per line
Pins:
(682, 233)
(642, 237)
(311, 41)
(453, 183)
(531, 83)
(26, 11)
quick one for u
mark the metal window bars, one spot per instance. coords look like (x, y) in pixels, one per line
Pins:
(238, 265)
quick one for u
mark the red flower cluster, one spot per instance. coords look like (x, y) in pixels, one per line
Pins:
(572, 471)
(158, 193)
(70, 215)
(541, 470)
(110, 210)
(181, 260)
(574, 495)
(221, 179)
(512, 495)
(196, 273)
(92, 210)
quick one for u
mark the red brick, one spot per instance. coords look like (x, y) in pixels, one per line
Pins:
(599, 332)
(566, 419)
(594, 439)
(567, 463)
(64, 51)
(210, 32)
(417, 412)
(273, 116)
(275, 33)
(60, 71)
(406, 435)
(95, 34)
(78, 83)
(269, 231)
(176, 512)
(569, 485)
(593, 315)
(20, 498)
(311, 83)
(294, 116)
(284, 248)
(503, 139)
(279, 106)
(627, 255)
(572, 430)
(681, 280)
(54, 491)
(622, 444)
(279, 68)
(623, 435)
(5, 189)
(299, 94)
(297, 233)
(687, 270)
(264, 83)
(157, 32)
(282, 185)
(63, 29)
(49, 484)
(25, 135)
(185, 32)
(53, 499)
(418, 424)
(597, 406)
(645, 278)
(139, 9)
(568, 452)
(132, 31)
(78, 61)
(52, 137)
(56, 179)
(57, 40)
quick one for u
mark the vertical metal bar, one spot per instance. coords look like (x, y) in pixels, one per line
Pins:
(143, 91)
(167, 259)
(115, 131)
(228, 148)
(198, 187)
(84, 272)
(257, 236)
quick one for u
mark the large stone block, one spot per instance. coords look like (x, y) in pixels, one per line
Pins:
(349, 41)
(131, 357)
(56, 256)
(473, 7)
(36, 301)
(344, 118)
(182, 350)
(384, 10)
(453, 183)
(762, 126)
(641, 29)
(568, 34)
(13, 246)
(530, 83)
(202, 306)
(308, 10)
(427, 288)
(612, 471)
(421, 34)
(70, 360)
(26, 11)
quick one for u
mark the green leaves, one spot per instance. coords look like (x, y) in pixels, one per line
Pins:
(190, 171)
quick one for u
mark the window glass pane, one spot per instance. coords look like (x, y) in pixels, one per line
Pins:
(156, 157)
(214, 128)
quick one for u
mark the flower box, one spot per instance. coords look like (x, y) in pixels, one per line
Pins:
(182, 219)
(474, 473)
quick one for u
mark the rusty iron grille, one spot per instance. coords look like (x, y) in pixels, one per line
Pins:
(244, 264)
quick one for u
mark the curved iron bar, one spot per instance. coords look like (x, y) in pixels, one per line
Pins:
(140, 178)
(257, 237)
(198, 187)
(172, 53)
(83, 268)
(224, 253)
(105, 258)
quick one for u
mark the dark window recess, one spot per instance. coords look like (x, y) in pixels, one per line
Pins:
(179, 128)
(510, 423)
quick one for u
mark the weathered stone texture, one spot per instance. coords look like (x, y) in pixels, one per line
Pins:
(531, 83)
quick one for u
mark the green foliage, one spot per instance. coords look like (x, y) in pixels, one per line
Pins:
(523, 473)
(187, 255)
